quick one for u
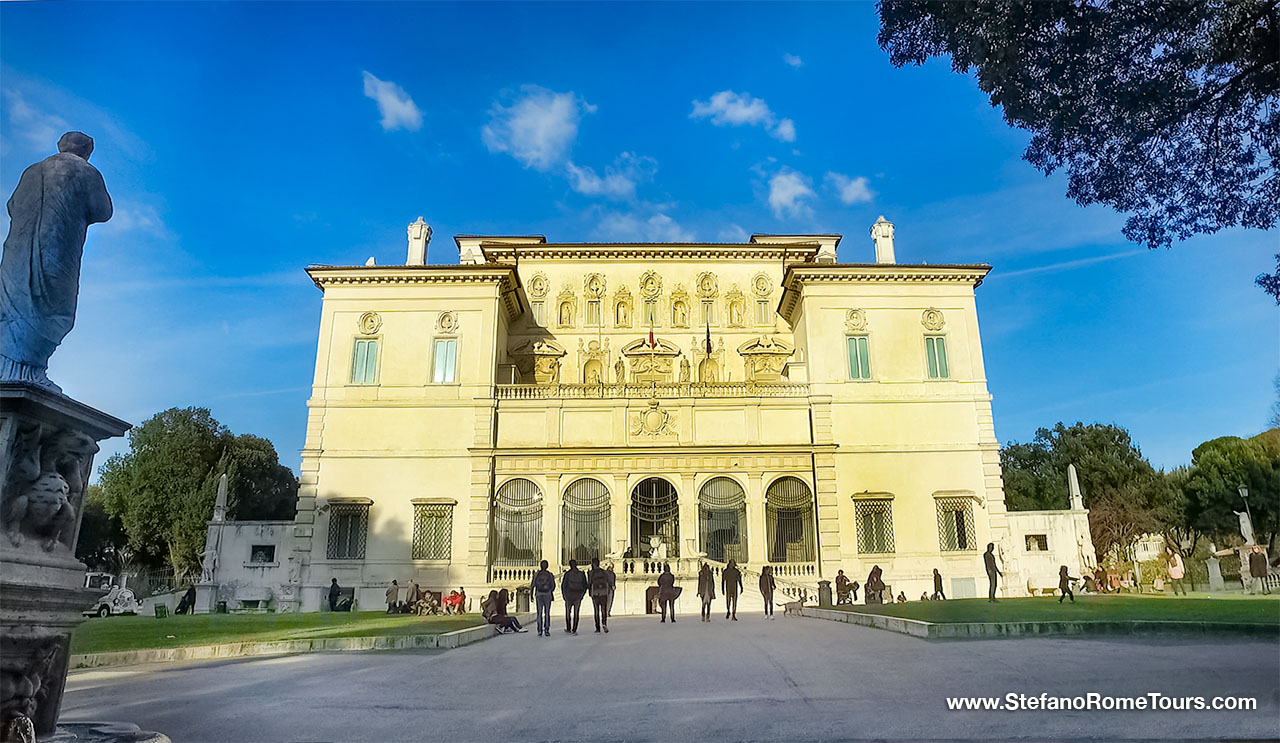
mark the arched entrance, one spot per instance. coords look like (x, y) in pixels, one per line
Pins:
(655, 512)
(517, 524)
(722, 520)
(789, 520)
(584, 521)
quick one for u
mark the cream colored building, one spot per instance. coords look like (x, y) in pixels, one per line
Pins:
(649, 404)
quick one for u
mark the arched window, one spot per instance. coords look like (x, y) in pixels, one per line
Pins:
(722, 520)
(655, 512)
(516, 538)
(789, 520)
(585, 521)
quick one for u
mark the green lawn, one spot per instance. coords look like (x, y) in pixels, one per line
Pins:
(1264, 610)
(136, 633)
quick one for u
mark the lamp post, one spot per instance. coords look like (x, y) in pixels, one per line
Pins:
(1244, 494)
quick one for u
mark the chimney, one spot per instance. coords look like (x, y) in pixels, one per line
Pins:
(882, 234)
(419, 237)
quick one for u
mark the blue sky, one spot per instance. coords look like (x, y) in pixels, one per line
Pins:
(242, 142)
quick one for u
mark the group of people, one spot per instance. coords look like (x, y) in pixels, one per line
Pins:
(599, 582)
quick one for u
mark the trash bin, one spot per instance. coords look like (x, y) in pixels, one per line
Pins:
(824, 594)
(162, 611)
(522, 599)
(222, 607)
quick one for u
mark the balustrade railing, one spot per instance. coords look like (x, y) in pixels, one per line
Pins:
(636, 390)
(513, 574)
(794, 570)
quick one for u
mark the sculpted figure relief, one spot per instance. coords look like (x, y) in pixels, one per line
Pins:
(43, 510)
(50, 212)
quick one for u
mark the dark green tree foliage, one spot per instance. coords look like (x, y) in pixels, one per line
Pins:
(102, 536)
(1165, 110)
(1126, 496)
(163, 489)
(1218, 468)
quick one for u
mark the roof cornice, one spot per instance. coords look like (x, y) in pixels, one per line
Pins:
(793, 252)
(503, 275)
(796, 276)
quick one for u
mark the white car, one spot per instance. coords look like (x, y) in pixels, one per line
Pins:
(118, 600)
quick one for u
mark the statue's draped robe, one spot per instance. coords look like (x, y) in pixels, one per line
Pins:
(50, 211)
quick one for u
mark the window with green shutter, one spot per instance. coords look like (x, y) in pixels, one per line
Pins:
(935, 349)
(859, 358)
(364, 361)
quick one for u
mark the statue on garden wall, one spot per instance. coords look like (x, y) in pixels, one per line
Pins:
(49, 215)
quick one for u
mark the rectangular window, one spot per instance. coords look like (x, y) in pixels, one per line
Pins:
(873, 521)
(348, 526)
(539, 313)
(935, 349)
(446, 357)
(764, 313)
(262, 553)
(432, 531)
(955, 525)
(1037, 543)
(364, 361)
(593, 312)
(859, 358)
(650, 313)
(708, 312)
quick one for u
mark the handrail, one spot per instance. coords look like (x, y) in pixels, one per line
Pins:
(636, 390)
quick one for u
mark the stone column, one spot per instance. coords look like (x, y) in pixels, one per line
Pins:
(551, 528)
(688, 516)
(619, 515)
(47, 444)
(757, 536)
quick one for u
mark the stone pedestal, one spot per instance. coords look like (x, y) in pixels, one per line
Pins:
(824, 594)
(1216, 583)
(47, 444)
(206, 598)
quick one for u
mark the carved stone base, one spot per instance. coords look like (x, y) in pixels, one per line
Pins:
(47, 443)
(103, 732)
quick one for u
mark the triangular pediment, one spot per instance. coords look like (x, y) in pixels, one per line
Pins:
(641, 347)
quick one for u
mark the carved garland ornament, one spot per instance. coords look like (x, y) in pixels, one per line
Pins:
(932, 319)
(855, 320)
(539, 286)
(447, 323)
(650, 285)
(369, 323)
(653, 422)
(707, 285)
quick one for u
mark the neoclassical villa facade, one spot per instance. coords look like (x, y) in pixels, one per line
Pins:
(649, 404)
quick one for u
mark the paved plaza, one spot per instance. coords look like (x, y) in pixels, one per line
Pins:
(794, 679)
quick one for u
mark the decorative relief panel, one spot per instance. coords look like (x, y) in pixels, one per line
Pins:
(654, 421)
(679, 307)
(932, 319)
(566, 308)
(707, 285)
(762, 285)
(735, 305)
(709, 366)
(593, 360)
(765, 358)
(650, 285)
(539, 286)
(369, 323)
(447, 323)
(623, 308)
(855, 320)
(594, 285)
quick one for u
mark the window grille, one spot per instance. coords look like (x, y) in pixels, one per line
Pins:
(432, 531)
(722, 520)
(348, 528)
(873, 521)
(789, 521)
(1037, 543)
(584, 518)
(655, 510)
(516, 538)
(364, 361)
(955, 525)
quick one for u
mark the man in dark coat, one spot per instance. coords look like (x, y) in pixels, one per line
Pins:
(706, 590)
(993, 572)
(842, 588)
(1258, 570)
(938, 593)
(334, 592)
(731, 585)
(544, 592)
(599, 584)
(667, 593)
(573, 586)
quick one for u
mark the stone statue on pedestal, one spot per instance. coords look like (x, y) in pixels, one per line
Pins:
(1246, 527)
(50, 212)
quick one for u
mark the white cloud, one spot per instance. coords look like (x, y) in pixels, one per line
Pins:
(734, 233)
(850, 190)
(37, 129)
(656, 227)
(619, 180)
(793, 60)
(788, 192)
(397, 108)
(538, 128)
(727, 108)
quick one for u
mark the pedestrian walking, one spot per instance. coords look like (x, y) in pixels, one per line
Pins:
(667, 593)
(731, 585)
(573, 586)
(706, 590)
(334, 592)
(1258, 570)
(598, 580)
(544, 592)
(842, 588)
(993, 572)
(613, 585)
(1177, 570)
(767, 585)
(938, 594)
(1064, 585)
(393, 597)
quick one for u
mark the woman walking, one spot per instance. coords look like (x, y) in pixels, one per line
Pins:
(767, 584)
(706, 590)
(1177, 571)
(1064, 585)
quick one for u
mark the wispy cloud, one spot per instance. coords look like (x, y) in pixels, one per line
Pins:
(734, 233)
(647, 223)
(1065, 265)
(397, 108)
(34, 127)
(793, 60)
(789, 192)
(537, 128)
(728, 108)
(619, 180)
(850, 190)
